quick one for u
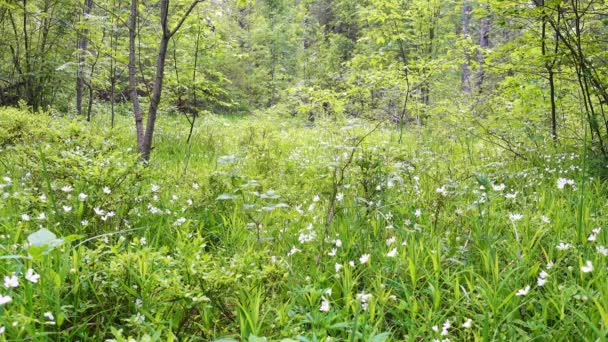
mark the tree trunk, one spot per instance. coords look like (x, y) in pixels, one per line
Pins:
(139, 127)
(82, 45)
(156, 96)
(466, 72)
(146, 144)
(484, 43)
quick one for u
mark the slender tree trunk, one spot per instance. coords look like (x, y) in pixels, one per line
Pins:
(82, 46)
(466, 72)
(484, 43)
(139, 127)
(146, 147)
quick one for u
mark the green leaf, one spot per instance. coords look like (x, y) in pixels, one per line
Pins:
(380, 337)
(253, 338)
(44, 237)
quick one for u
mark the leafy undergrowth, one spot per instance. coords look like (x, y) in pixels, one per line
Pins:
(270, 230)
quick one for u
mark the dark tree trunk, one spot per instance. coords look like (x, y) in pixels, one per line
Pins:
(484, 43)
(139, 127)
(145, 138)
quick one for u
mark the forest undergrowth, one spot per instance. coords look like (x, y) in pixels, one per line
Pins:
(268, 230)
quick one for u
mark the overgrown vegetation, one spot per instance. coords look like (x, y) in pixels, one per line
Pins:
(443, 236)
(311, 170)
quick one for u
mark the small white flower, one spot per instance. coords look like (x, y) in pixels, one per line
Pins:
(49, 315)
(324, 305)
(41, 216)
(82, 196)
(67, 188)
(515, 217)
(364, 298)
(179, 221)
(25, 217)
(550, 265)
(562, 182)
(351, 263)
(338, 267)
(143, 241)
(67, 209)
(316, 198)
(364, 258)
(31, 276)
(106, 190)
(523, 292)
(195, 186)
(392, 253)
(5, 299)
(332, 252)
(588, 267)
(84, 222)
(467, 324)
(602, 250)
(338, 243)
(418, 212)
(563, 246)
(99, 212)
(2, 330)
(391, 240)
(155, 188)
(499, 187)
(293, 251)
(542, 278)
(445, 327)
(11, 281)
(442, 191)
(545, 219)
(339, 197)
(139, 302)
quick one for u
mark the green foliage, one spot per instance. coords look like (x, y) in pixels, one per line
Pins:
(232, 245)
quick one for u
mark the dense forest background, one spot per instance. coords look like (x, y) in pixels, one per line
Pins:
(539, 65)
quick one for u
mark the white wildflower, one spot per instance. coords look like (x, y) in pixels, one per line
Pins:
(5, 299)
(11, 281)
(515, 217)
(324, 305)
(523, 292)
(588, 267)
(31, 276)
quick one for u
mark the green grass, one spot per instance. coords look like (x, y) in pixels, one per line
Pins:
(238, 236)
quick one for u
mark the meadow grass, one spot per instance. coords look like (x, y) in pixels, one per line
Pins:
(268, 228)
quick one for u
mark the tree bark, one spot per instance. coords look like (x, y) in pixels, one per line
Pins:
(82, 46)
(146, 143)
(466, 72)
(139, 127)
(484, 43)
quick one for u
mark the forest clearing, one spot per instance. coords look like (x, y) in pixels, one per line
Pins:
(313, 170)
